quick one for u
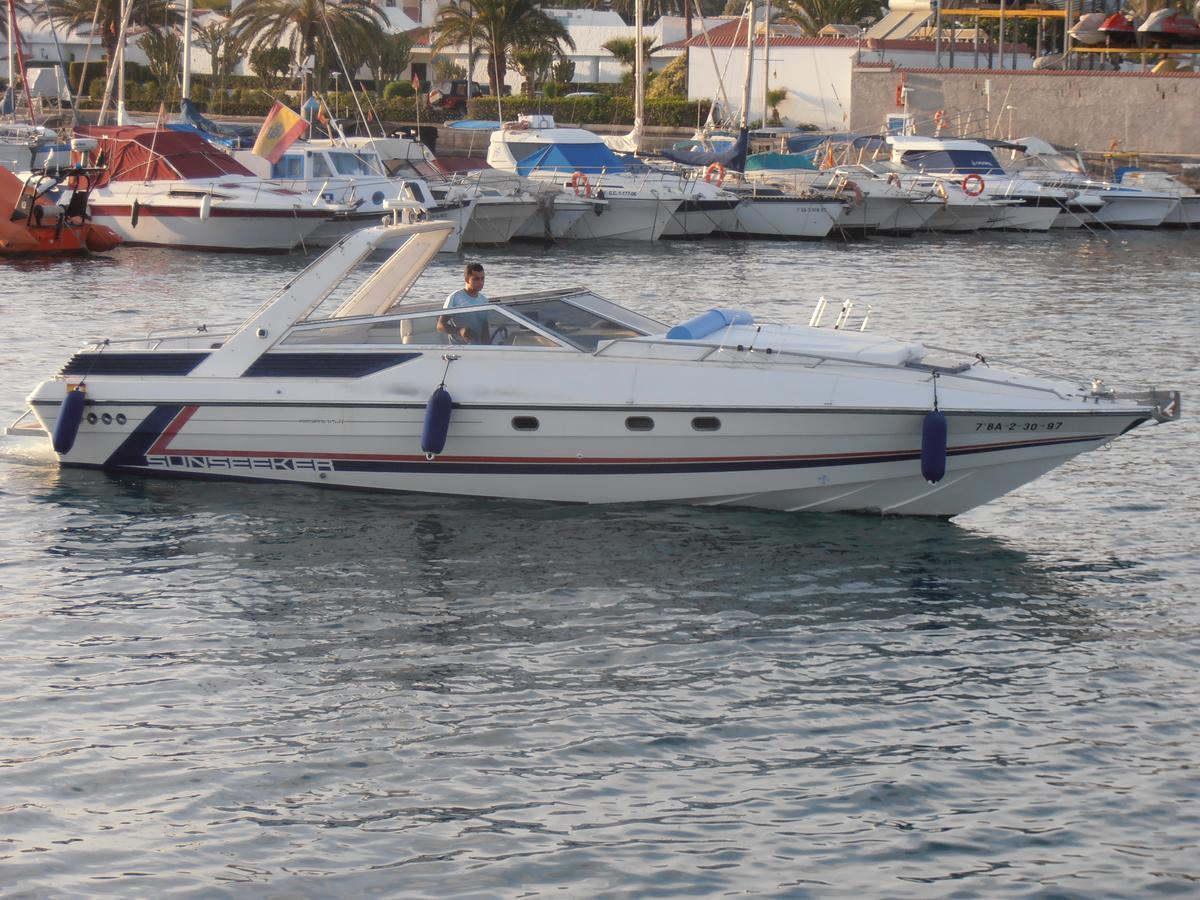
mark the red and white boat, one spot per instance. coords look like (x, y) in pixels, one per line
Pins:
(1170, 28)
(166, 188)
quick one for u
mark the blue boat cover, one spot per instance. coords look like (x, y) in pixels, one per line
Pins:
(590, 159)
(732, 157)
(236, 137)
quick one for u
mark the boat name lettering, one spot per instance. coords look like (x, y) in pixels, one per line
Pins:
(1018, 426)
(274, 463)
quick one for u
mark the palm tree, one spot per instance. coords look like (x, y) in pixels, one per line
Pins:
(499, 27)
(813, 15)
(623, 48)
(311, 28)
(77, 14)
(19, 10)
(164, 53)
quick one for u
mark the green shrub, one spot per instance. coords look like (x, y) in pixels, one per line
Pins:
(601, 110)
(394, 89)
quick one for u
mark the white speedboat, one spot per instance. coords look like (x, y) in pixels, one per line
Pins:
(165, 188)
(355, 177)
(1125, 206)
(640, 205)
(1027, 205)
(1186, 214)
(570, 397)
(877, 203)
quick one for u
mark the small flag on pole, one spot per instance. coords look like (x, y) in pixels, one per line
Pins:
(416, 82)
(280, 130)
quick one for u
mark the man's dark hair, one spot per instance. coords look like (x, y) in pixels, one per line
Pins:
(472, 268)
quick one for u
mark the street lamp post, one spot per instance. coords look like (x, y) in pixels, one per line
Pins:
(336, 76)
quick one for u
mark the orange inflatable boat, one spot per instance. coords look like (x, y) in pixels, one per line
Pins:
(31, 222)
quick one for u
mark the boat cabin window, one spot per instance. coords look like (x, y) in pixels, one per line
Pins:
(581, 327)
(289, 167)
(354, 163)
(320, 168)
(487, 325)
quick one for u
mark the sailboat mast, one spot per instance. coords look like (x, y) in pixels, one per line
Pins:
(749, 63)
(119, 62)
(639, 72)
(766, 64)
(12, 84)
(186, 90)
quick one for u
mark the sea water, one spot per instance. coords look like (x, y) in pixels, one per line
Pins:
(230, 690)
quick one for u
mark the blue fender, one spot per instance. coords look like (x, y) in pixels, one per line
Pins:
(437, 421)
(933, 446)
(70, 413)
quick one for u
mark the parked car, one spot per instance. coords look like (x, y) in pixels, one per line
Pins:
(453, 94)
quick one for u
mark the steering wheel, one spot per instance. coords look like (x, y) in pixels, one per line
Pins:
(499, 335)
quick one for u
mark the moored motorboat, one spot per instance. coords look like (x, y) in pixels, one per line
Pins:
(568, 397)
(32, 223)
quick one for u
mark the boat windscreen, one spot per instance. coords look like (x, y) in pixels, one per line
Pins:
(584, 328)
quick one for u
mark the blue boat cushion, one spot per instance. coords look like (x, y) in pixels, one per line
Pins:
(707, 323)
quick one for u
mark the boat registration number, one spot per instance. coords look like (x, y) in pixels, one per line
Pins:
(1001, 425)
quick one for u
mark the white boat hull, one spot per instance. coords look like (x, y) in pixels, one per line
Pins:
(792, 460)
(624, 219)
(1131, 210)
(163, 222)
(496, 221)
(787, 217)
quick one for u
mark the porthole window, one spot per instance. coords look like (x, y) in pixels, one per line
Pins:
(121, 418)
(525, 423)
(92, 418)
(106, 418)
(639, 423)
(706, 423)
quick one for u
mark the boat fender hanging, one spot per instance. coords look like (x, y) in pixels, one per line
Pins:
(933, 446)
(70, 413)
(437, 422)
(205, 207)
(135, 214)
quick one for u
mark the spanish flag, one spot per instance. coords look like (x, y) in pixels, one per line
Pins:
(279, 131)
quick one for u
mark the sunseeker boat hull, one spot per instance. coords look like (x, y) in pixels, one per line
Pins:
(785, 459)
(570, 397)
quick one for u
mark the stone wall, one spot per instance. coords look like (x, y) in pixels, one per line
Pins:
(1093, 111)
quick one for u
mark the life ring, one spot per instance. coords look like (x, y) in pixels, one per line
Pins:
(848, 185)
(939, 119)
(973, 178)
(580, 185)
(435, 96)
(718, 169)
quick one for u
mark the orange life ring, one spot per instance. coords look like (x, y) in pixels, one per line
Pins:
(848, 185)
(717, 168)
(580, 185)
(972, 178)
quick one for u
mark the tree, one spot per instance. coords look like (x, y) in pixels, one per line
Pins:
(77, 14)
(534, 66)
(775, 96)
(499, 27)
(390, 57)
(224, 53)
(310, 28)
(813, 15)
(624, 49)
(164, 55)
(20, 10)
(671, 82)
(271, 65)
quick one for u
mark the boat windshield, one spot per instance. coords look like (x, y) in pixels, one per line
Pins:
(961, 162)
(583, 320)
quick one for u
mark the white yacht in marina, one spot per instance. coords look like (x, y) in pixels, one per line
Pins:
(567, 396)
(1125, 206)
(168, 188)
(1027, 205)
(639, 204)
(354, 177)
